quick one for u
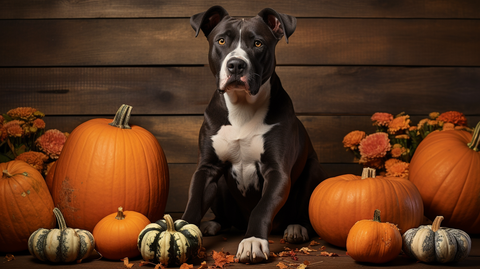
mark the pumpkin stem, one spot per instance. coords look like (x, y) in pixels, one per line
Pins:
(436, 223)
(60, 220)
(122, 117)
(6, 174)
(169, 221)
(120, 215)
(376, 215)
(368, 173)
(475, 143)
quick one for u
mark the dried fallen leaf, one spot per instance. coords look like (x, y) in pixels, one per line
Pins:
(307, 250)
(282, 265)
(186, 266)
(301, 266)
(329, 254)
(203, 265)
(307, 263)
(159, 266)
(282, 241)
(314, 243)
(126, 263)
(271, 241)
(9, 257)
(202, 253)
(221, 258)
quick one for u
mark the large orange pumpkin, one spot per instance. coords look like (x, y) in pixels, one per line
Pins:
(339, 202)
(104, 164)
(25, 205)
(446, 170)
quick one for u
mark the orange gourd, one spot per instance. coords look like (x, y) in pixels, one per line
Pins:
(338, 202)
(25, 206)
(446, 170)
(374, 241)
(116, 235)
(104, 164)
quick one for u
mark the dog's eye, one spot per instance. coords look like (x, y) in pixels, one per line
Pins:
(258, 44)
(221, 41)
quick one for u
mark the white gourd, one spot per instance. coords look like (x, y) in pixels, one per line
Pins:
(169, 243)
(61, 245)
(432, 243)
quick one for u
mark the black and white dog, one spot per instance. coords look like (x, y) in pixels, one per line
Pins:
(257, 167)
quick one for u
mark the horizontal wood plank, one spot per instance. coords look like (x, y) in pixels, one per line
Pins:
(178, 135)
(55, 9)
(181, 174)
(111, 42)
(319, 90)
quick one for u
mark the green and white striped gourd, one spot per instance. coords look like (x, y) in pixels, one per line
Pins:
(61, 245)
(432, 243)
(169, 243)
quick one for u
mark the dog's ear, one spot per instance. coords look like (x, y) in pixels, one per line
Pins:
(207, 20)
(281, 24)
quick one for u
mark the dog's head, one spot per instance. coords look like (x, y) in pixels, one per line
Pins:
(242, 51)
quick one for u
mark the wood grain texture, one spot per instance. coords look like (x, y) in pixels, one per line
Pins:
(54, 9)
(317, 41)
(315, 90)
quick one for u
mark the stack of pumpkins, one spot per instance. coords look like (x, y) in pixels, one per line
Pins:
(103, 164)
(444, 181)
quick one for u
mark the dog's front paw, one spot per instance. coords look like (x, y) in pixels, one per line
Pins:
(253, 250)
(295, 233)
(210, 227)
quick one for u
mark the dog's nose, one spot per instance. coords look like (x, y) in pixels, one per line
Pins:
(236, 66)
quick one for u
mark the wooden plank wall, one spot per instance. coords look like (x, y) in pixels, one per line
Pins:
(77, 60)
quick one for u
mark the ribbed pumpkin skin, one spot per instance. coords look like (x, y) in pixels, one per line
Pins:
(102, 166)
(26, 205)
(61, 245)
(444, 245)
(447, 174)
(374, 241)
(169, 243)
(117, 238)
(338, 203)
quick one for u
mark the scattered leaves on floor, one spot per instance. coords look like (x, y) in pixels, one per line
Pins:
(221, 258)
(9, 257)
(126, 263)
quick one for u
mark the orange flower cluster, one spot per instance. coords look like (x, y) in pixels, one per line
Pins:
(394, 143)
(23, 137)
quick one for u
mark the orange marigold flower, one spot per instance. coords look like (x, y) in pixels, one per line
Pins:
(391, 162)
(433, 115)
(399, 123)
(2, 119)
(352, 139)
(39, 123)
(33, 158)
(51, 143)
(14, 130)
(381, 119)
(398, 169)
(397, 150)
(454, 117)
(24, 113)
(375, 145)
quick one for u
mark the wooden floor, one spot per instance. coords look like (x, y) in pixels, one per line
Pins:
(228, 243)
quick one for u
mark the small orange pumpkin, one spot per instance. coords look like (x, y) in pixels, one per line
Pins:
(26, 205)
(338, 202)
(116, 235)
(446, 170)
(374, 241)
(104, 164)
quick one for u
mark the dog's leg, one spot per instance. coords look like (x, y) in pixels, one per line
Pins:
(202, 192)
(298, 203)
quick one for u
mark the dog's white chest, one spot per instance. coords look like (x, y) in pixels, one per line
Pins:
(242, 143)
